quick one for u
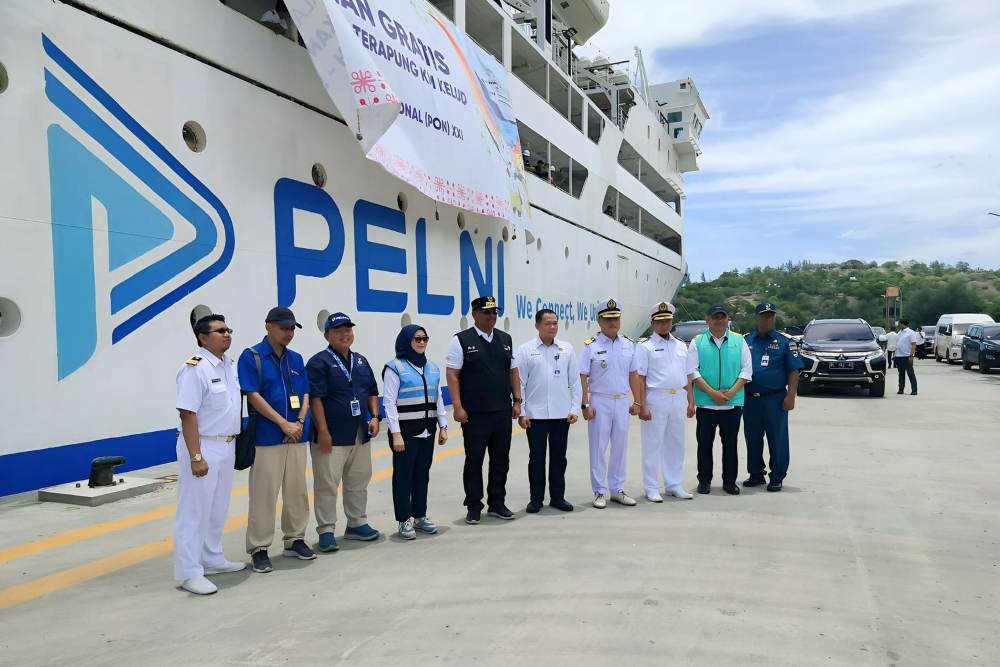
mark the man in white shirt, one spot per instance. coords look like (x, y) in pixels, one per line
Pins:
(906, 349)
(890, 346)
(720, 364)
(661, 386)
(550, 386)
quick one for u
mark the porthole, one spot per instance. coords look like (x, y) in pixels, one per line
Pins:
(319, 175)
(321, 320)
(607, 264)
(475, 230)
(10, 317)
(505, 234)
(405, 320)
(637, 274)
(588, 259)
(194, 136)
(401, 202)
(461, 221)
(199, 312)
(463, 323)
(538, 244)
(506, 323)
(4, 80)
(566, 252)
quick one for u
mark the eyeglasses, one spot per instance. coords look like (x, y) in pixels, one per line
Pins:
(224, 332)
(421, 339)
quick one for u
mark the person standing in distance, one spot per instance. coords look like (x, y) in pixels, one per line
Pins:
(209, 403)
(906, 350)
(486, 396)
(890, 347)
(550, 384)
(770, 397)
(661, 385)
(279, 392)
(604, 367)
(719, 361)
(414, 408)
(344, 401)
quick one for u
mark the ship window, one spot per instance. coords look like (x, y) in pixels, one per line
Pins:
(461, 221)
(576, 109)
(10, 318)
(194, 136)
(446, 7)
(199, 312)
(684, 86)
(674, 116)
(678, 131)
(405, 320)
(321, 319)
(558, 92)
(549, 163)
(4, 80)
(319, 175)
(595, 124)
(485, 26)
(527, 64)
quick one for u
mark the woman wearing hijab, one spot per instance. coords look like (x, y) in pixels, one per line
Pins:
(415, 410)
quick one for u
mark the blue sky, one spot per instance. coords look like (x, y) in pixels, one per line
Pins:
(839, 130)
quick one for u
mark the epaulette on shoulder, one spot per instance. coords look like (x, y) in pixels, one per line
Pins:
(643, 339)
(589, 341)
(193, 361)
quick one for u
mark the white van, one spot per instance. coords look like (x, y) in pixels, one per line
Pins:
(951, 329)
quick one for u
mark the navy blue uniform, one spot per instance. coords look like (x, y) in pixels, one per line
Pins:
(774, 358)
(283, 377)
(328, 381)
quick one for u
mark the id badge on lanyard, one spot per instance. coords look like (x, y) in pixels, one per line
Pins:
(355, 403)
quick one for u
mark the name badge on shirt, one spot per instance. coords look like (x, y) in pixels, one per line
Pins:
(764, 360)
(293, 401)
(355, 408)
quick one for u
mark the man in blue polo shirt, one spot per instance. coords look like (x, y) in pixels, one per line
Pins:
(279, 392)
(344, 401)
(770, 396)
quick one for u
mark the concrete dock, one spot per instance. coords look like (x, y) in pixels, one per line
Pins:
(883, 549)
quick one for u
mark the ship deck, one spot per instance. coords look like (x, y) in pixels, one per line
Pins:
(882, 550)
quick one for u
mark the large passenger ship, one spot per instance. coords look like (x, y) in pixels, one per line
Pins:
(164, 160)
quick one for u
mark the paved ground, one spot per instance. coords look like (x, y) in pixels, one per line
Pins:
(882, 550)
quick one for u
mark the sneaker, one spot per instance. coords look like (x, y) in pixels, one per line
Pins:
(425, 525)
(623, 498)
(654, 497)
(534, 507)
(261, 561)
(600, 500)
(273, 20)
(561, 505)
(501, 512)
(678, 492)
(199, 586)
(328, 543)
(227, 566)
(472, 517)
(299, 549)
(365, 533)
(406, 530)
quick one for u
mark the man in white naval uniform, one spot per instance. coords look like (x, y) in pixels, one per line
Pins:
(604, 367)
(209, 401)
(662, 388)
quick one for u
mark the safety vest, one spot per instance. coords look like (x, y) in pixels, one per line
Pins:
(720, 368)
(417, 398)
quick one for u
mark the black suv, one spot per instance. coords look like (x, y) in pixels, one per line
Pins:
(981, 345)
(841, 353)
(926, 348)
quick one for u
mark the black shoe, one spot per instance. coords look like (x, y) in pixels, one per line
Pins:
(299, 549)
(561, 505)
(472, 517)
(731, 488)
(501, 512)
(533, 507)
(775, 485)
(754, 480)
(704, 487)
(900, 392)
(261, 563)
(913, 393)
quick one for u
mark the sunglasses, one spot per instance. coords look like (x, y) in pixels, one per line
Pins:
(224, 332)
(421, 339)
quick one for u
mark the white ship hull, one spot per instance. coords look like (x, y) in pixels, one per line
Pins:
(93, 375)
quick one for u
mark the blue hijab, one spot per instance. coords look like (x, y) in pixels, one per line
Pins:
(404, 345)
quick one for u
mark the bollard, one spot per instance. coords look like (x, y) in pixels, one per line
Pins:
(102, 470)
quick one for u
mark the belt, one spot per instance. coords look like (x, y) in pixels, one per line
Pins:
(767, 392)
(666, 391)
(218, 438)
(614, 396)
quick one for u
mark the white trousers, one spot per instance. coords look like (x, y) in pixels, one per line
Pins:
(663, 439)
(609, 425)
(202, 506)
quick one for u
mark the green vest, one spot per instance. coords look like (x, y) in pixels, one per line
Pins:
(720, 368)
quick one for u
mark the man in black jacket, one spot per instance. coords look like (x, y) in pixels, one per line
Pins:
(486, 396)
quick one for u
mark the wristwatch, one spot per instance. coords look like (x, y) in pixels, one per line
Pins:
(584, 406)
(301, 421)
(518, 400)
(197, 458)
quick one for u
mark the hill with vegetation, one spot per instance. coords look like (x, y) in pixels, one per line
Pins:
(805, 291)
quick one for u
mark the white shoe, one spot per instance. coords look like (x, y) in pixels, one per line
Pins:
(623, 498)
(654, 497)
(600, 501)
(227, 566)
(199, 586)
(406, 530)
(680, 493)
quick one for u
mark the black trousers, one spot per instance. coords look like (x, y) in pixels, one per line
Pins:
(486, 432)
(411, 472)
(551, 435)
(728, 424)
(904, 365)
(889, 354)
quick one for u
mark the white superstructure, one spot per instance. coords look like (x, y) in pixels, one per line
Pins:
(162, 160)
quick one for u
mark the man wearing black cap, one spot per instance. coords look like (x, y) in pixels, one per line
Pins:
(273, 377)
(770, 397)
(719, 362)
(486, 395)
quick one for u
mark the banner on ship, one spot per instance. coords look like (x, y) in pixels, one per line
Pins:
(427, 103)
